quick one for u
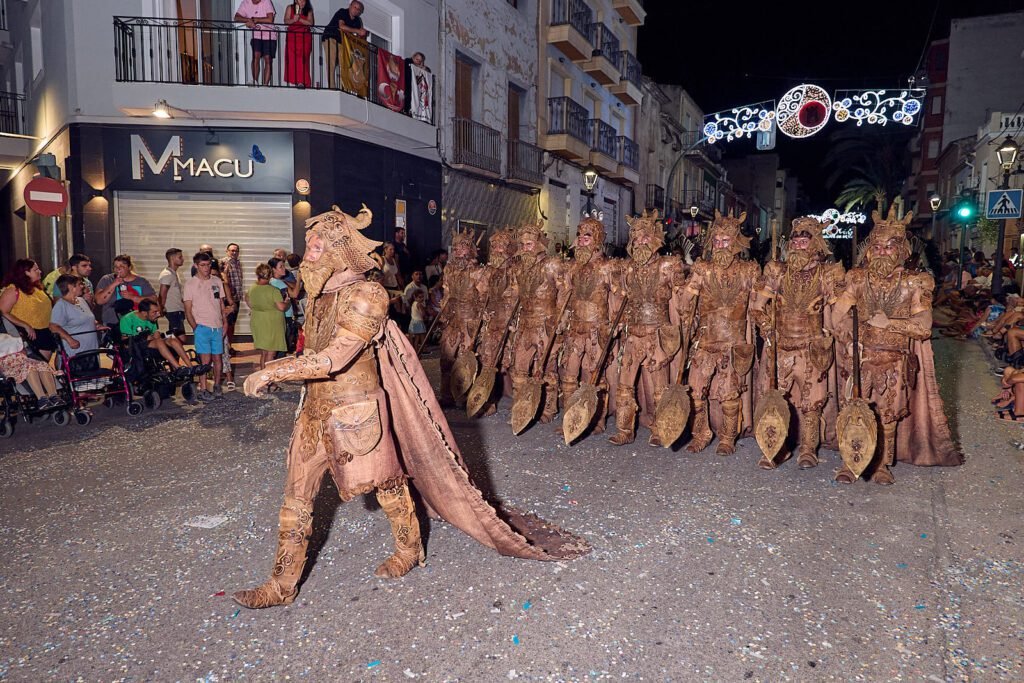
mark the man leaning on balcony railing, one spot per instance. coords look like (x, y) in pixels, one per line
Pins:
(344, 21)
(263, 41)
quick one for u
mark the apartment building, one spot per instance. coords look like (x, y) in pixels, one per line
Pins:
(589, 85)
(164, 138)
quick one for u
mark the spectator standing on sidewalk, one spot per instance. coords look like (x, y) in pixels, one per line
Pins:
(231, 267)
(123, 283)
(203, 296)
(171, 302)
(78, 265)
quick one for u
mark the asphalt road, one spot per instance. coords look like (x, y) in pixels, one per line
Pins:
(703, 568)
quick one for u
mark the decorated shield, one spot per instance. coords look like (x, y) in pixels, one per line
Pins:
(857, 429)
(481, 391)
(771, 423)
(463, 374)
(526, 405)
(671, 414)
(579, 413)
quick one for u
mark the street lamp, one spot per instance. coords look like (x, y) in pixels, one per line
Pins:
(935, 201)
(1007, 155)
(694, 210)
(590, 177)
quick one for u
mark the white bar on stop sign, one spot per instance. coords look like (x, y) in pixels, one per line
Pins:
(38, 196)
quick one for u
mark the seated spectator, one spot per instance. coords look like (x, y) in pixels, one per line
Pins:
(143, 322)
(26, 305)
(72, 320)
(15, 364)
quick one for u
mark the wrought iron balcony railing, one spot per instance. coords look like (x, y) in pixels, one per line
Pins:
(629, 152)
(12, 113)
(604, 41)
(655, 196)
(476, 145)
(602, 137)
(576, 13)
(524, 162)
(629, 66)
(219, 53)
(566, 116)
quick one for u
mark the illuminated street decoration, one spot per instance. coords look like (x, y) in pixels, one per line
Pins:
(840, 224)
(803, 111)
(878, 107)
(806, 109)
(740, 122)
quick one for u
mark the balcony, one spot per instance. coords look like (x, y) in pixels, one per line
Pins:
(476, 147)
(524, 163)
(631, 11)
(180, 55)
(15, 146)
(568, 129)
(627, 152)
(602, 143)
(628, 89)
(603, 63)
(570, 28)
(655, 197)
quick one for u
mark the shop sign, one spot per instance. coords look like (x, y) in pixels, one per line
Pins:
(183, 160)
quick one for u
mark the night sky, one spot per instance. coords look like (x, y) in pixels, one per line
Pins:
(728, 54)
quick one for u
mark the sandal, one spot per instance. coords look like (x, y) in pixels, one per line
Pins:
(1003, 396)
(1009, 416)
(229, 385)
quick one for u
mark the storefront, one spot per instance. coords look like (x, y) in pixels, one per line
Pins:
(140, 190)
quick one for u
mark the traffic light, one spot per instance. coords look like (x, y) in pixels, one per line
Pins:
(965, 208)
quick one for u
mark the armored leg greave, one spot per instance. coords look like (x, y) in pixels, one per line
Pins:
(730, 427)
(625, 419)
(296, 523)
(810, 436)
(401, 513)
(550, 408)
(701, 435)
(882, 474)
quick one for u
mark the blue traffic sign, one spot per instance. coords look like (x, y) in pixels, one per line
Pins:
(1003, 204)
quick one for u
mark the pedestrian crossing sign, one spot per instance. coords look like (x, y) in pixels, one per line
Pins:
(1003, 204)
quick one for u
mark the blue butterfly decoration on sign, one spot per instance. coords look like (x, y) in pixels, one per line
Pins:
(257, 155)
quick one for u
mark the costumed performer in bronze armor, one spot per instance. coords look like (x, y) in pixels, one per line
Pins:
(361, 375)
(801, 293)
(897, 366)
(651, 335)
(539, 285)
(463, 292)
(721, 288)
(499, 305)
(593, 282)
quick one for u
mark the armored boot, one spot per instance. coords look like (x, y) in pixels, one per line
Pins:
(602, 410)
(445, 397)
(401, 513)
(882, 474)
(296, 523)
(568, 388)
(810, 436)
(625, 419)
(730, 427)
(701, 434)
(550, 408)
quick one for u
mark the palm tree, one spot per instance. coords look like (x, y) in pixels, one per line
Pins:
(866, 165)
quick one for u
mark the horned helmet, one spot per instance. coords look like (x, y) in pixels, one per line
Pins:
(464, 246)
(340, 245)
(532, 232)
(807, 227)
(727, 227)
(594, 229)
(646, 236)
(500, 246)
(888, 235)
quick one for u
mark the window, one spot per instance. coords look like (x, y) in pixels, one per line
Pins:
(516, 98)
(933, 148)
(464, 76)
(937, 104)
(36, 37)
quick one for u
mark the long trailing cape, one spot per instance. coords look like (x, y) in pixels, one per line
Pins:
(432, 460)
(923, 437)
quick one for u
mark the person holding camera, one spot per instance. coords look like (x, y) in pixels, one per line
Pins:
(203, 295)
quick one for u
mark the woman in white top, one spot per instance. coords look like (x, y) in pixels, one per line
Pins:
(392, 279)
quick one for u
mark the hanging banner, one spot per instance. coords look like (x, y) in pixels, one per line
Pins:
(421, 103)
(390, 80)
(355, 65)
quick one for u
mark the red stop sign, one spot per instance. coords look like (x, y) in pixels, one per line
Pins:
(46, 196)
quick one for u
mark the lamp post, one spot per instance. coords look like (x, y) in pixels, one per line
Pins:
(1007, 156)
(590, 177)
(935, 201)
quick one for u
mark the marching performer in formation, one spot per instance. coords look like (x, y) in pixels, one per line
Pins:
(459, 312)
(607, 334)
(897, 368)
(651, 336)
(365, 399)
(793, 309)
(723, 349)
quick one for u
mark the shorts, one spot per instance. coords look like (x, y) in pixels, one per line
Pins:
(417, 327)
(175, 322)
(209, 340)
(267, 48)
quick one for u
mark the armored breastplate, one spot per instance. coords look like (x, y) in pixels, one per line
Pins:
(358, 378)
(893, 299)
(648, 295)
(801, 304)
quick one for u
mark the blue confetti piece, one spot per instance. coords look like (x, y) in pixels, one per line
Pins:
(515, 640)
(565, 488)
(919, 606)
(711, 539)
(924, 535)
(237, 612)
(527, 605)
(736, 521)
(901, 565)
(372, 664)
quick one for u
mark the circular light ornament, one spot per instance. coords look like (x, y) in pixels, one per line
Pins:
(803, 111)
(302, 186)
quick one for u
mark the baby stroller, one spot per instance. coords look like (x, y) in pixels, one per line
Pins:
(91, 380)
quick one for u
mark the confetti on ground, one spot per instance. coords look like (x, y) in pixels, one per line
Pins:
(372, 664)
(736, 521)
(527, 605)
(515, 640)
(206, 521)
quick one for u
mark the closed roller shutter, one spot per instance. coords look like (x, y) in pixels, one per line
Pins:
(150, 223)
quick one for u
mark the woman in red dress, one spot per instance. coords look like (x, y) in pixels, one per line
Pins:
(298, 17)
